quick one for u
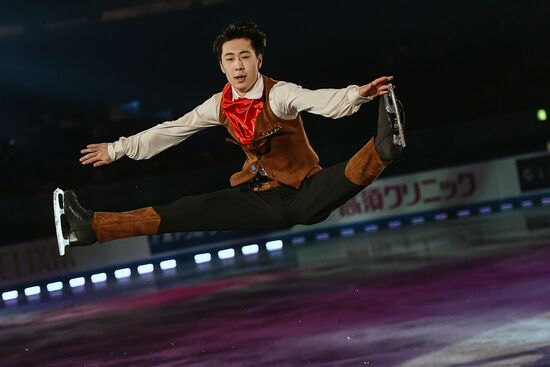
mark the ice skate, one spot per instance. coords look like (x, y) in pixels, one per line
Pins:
(73, 223)
(390, 138)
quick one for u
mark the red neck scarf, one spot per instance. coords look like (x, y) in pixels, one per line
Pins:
(241, 113)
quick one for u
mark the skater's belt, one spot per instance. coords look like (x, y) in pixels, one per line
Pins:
(266, 186)
(262, 183)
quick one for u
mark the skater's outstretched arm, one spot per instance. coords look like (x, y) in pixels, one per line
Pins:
(288, 99)
(152, 141)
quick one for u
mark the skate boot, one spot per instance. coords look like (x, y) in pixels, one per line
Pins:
(73, 223)
(390, 138)
(367, 164)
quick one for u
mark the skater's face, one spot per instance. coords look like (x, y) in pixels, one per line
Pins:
(240, 64)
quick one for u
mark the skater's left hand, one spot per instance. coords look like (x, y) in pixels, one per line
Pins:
(378, 87)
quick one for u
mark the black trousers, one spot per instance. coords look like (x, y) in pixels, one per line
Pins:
(240, 208)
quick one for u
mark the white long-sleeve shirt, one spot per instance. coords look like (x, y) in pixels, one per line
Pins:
(285, 99)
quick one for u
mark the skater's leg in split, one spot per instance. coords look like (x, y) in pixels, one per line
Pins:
(109, 226)
(365, 166)
(231, 209)
(327, 190)
(237, 208)
(82, 227)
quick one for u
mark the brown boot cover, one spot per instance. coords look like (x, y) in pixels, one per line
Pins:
(110, 226)
(365, 165)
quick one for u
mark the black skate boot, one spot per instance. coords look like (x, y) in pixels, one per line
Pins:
(73, 222)
(390, 138)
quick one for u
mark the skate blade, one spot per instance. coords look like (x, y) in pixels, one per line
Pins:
(58, 211)
(391, 106)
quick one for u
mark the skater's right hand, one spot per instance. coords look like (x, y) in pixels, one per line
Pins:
(98, 154)
(378, 87)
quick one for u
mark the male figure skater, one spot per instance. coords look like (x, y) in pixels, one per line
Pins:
(281, 183)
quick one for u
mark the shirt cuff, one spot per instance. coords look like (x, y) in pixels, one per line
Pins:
(115, 150)
(354, 98)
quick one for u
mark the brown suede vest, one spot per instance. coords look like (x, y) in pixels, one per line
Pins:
(280, 148)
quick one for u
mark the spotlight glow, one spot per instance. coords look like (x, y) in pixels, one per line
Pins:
(418, 220)
(346, 232)
(250, 249)
(371, 228)
(485, 210)
(123, 273)
(527, 203)
(226, 254)
(168, 264)
(8, 296)
(394, 224)
(440, 217)
(145, 269)
(463, 213)
(545, 201)
(298, 240)
(274, 245)
(506, 206)
(32, 291)
(99, 278)
(77, 282)
(54, 287)
(542, 115)
(322, 236)
(202, 258)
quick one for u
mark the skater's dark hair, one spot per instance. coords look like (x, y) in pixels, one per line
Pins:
(248, 30)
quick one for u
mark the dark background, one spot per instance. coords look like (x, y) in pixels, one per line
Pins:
(471, 76)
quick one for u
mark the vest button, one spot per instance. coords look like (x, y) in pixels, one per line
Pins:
(252, 168)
